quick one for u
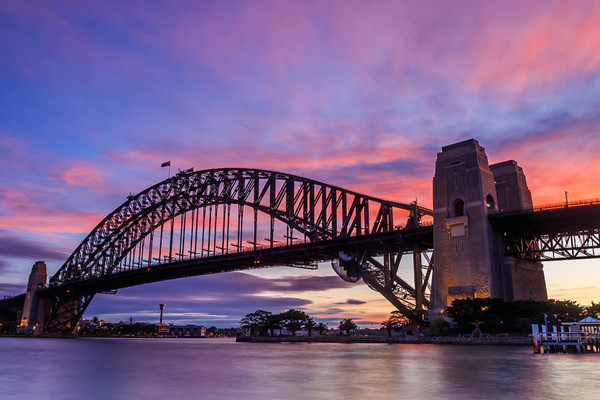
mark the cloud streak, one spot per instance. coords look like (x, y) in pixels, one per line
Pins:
(12, 246)
(218, 296)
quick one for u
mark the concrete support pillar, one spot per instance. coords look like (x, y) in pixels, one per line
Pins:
(36, 309)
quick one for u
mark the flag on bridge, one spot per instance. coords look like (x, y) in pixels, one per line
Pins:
(189, 170)
(165, 164)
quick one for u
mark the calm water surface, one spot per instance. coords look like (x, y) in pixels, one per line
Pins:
(222, 369)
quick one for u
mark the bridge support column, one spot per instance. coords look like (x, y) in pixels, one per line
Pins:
(418, 278)
(36, 308)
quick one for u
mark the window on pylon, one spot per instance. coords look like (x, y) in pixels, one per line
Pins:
(458, 207)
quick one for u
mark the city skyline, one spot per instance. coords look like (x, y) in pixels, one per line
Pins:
(95, 97)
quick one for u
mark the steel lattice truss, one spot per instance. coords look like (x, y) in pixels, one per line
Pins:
(216, 218)
(314, 211)
(556, 246)
(558, 233)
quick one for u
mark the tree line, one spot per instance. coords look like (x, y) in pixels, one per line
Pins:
(264, 323)
(481, 314)
(496, 315)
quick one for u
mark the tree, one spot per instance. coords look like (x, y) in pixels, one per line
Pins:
(439, 323)
(346, 325)
(389, 324)
(321, 328)
(394, 322)
(593, 310)
(564, 311)
(293, 320)
(256, 322)
(466, 311)
(309, 324)
(273, 322)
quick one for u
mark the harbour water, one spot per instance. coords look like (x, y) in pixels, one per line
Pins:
(96, 368)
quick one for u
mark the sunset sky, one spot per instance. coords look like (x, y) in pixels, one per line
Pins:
(94, 96)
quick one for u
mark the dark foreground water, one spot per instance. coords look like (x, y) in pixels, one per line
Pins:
(222, 369)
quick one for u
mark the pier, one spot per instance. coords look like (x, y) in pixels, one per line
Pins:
(576, 337)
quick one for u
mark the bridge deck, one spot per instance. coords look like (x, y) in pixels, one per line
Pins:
(546, 221)
(292, 255)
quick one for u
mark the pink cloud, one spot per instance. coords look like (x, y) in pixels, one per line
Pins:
(558, 162)
(84, 174)
(544, 45)
(324, 159)
(27, 212)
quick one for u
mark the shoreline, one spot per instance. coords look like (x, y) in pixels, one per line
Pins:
(504, 341)
(501, 341)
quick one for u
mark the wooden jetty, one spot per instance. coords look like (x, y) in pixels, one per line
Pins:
(573, 337)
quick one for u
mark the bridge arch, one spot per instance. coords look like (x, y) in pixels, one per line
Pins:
(315, 210)
(330, 220)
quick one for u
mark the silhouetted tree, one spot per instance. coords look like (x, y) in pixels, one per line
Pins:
(394, 322)
(309, 324)
(439, 323)
(256, 322)
(293, 320)
(273, 322)
(346, 325)
(564, 311)
(593, 310)
(321, 327)
(514, 316)
(465, 312)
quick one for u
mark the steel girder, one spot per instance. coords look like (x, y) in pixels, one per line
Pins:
(412, 299)
(557, 233)
(555, 246)
(66, 311)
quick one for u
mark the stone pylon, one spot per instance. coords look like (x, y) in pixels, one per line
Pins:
(36, 308)
(469, 259)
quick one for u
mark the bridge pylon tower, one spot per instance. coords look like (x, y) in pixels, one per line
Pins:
(469, 254)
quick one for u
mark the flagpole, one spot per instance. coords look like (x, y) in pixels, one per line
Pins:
(167, 164)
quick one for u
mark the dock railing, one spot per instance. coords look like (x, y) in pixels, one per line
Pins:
(560, 341)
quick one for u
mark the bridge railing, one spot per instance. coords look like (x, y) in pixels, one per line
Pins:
(576, 203)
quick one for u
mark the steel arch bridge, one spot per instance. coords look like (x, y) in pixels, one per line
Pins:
(233, 219)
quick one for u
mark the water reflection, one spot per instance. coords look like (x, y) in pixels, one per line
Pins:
(223, 369)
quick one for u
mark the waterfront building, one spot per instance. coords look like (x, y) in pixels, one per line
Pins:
(188, 330)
